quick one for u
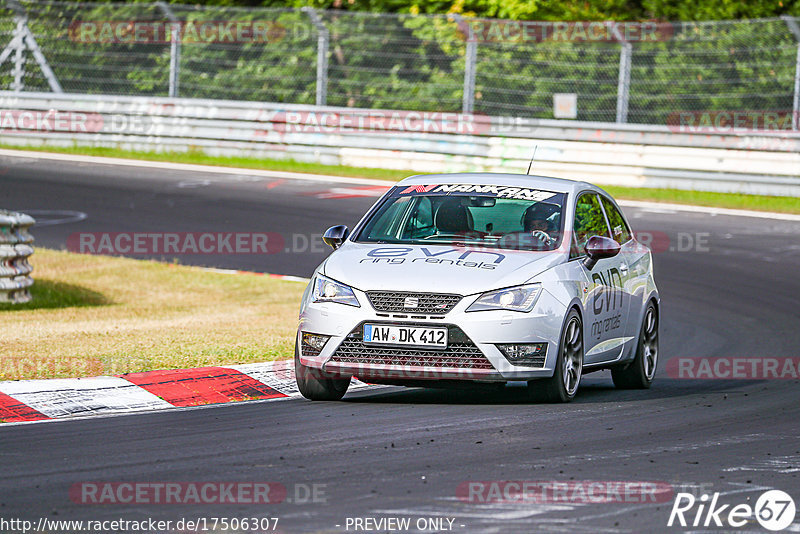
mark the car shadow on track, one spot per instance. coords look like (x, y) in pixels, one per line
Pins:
(593, 390)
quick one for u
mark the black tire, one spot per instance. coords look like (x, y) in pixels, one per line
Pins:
(563, 385)
(640, 372)
(316, 384)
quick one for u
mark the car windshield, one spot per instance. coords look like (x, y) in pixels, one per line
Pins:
(479, 215)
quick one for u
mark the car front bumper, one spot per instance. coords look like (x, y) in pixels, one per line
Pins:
(475, 356)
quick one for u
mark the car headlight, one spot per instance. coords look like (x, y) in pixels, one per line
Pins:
(519, 299)
(327, 290)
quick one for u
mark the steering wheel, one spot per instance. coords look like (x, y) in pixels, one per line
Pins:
(543, 237)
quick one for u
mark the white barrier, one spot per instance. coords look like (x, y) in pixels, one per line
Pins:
(603, 153)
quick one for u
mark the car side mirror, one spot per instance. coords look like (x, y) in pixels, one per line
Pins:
(335, 236)
(599, 247)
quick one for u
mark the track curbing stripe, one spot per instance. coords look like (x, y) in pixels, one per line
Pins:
(61, 397)
(14, 411)
(204, 385)
(56, 398)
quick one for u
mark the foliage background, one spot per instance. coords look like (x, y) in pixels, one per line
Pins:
(411, 55)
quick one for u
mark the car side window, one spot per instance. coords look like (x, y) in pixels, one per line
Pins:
(589, 221)
(619, 228)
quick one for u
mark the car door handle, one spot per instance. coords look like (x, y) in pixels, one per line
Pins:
(623, 268)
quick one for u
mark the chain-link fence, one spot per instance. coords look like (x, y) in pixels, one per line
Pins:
(639, 73)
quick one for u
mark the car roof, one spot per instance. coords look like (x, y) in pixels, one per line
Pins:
(546, 183)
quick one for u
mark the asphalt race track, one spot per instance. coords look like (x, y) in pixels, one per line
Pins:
(404, 452)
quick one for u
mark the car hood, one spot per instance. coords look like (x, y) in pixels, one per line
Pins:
(432, 268)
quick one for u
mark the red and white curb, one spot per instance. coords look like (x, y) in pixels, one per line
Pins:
(39, 400)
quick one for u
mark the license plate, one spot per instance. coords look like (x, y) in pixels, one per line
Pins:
(420, 336)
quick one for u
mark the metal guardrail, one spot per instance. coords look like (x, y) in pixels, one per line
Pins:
(605, 153)
(15, 249)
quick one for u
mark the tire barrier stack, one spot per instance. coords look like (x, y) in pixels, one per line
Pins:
(15, 249)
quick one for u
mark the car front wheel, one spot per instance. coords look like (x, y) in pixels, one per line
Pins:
(563, 385)
(316, 384)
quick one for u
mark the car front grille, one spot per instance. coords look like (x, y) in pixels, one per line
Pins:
(461, 353)
(416, 303)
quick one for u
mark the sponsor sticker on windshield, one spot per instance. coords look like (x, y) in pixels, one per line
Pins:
(498, 191)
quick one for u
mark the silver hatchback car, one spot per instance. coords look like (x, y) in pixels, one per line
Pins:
(481, 278)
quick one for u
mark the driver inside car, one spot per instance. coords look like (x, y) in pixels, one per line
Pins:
(540, 222)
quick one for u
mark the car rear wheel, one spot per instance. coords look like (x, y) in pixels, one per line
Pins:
(640, 372)
(316, 384)
(563, 385)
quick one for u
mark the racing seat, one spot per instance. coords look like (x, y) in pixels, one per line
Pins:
(453, 218)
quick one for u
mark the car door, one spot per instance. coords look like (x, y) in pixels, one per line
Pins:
(606, 305)
(634, 266)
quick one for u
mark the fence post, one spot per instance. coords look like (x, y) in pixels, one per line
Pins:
(795, 29)
(19, 60)
(174, 49)
(470, 63)
(174, 60)
(624, 82)
(468, 105)
(796, 99)
(323, 39)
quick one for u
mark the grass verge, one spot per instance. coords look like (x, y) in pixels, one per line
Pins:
(707, 198)
(118, 315)
(675, 196)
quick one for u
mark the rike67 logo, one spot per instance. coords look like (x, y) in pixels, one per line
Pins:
(774, 510)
